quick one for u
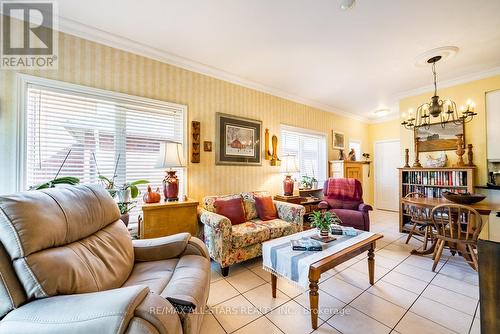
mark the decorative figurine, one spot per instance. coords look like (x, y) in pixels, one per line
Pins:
(407, 158)
(352, 155)
(341, 154)
(460, 151)
(470, 156)
(267, 153)
(195, 142)
(417, 163)
(275, 161)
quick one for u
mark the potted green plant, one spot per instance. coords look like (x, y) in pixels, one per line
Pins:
(129, 191)
(125, 208)
(306, 182)
(314, 183)
(322, 221)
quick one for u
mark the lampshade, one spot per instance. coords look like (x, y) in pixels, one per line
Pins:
(289, 164)
(171, 155)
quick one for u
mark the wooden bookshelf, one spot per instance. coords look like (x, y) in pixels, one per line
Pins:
(432, 182)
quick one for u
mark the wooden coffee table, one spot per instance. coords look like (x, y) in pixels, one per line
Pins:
(329, 262)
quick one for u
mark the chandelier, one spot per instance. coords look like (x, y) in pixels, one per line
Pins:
(446, 110)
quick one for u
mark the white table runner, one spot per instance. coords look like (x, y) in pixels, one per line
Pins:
(279, 258)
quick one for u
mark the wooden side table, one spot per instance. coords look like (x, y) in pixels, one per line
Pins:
(308, 203)
(167, 218)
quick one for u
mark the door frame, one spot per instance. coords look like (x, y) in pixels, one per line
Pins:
(375, 193)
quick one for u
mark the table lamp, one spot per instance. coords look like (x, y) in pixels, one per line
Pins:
(171, 156)
(288, 167)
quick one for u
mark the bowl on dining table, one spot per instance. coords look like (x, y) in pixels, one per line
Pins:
(464, 198)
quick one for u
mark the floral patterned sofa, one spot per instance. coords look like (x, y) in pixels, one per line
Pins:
(228, 244)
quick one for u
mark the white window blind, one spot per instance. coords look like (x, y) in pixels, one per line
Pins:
(117, 131)
(310, 150)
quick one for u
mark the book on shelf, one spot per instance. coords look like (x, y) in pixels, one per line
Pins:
(306, 244)
(436, 178)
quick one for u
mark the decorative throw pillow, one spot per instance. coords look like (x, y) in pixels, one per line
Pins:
(232, 209)
(265, 207)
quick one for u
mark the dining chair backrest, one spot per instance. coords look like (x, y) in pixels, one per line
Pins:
(456, 221)
(418, 213)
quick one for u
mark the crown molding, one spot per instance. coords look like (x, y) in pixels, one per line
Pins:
(449, 83)
(391, 117)
(103, 37)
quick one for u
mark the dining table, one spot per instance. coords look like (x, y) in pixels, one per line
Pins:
(488, 249)
(485, 208)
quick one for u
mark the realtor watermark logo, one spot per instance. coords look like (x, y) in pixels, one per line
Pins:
(29, 35)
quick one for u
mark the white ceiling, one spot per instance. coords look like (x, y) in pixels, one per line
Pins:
(353, 61)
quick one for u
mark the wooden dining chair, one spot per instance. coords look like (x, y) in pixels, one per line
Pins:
(457, 226)
(420, 220)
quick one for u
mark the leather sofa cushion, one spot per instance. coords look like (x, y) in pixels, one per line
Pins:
(277, 227)
(249, 233)
(175, 278)
(232, 209)
(154, 274)
(69, 213)
(11, 292)
(65, 240)
(99, 262)
(265, 207)
(190, 281)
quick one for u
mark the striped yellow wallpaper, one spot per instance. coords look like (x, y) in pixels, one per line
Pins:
(96, 65)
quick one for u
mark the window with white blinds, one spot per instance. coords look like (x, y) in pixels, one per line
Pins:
(309, 148)
(100, 132)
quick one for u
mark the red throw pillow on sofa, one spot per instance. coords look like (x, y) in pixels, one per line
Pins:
(233, 209)
(265, 207)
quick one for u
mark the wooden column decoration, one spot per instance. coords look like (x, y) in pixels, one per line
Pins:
(407, 158)
(417, 163)
(470, 156)
(267, 153)
(460, 151)
(195, 142)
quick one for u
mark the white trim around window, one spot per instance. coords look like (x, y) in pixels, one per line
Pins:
(23, 82)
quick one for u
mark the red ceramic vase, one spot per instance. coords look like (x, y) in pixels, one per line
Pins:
(171, 187)
(288, 186)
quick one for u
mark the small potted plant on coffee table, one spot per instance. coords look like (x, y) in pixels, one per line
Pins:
(322, 221)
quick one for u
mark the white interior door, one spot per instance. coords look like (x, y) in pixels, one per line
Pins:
(387, 160)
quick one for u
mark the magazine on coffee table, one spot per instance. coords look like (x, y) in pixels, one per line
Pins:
(306, 244)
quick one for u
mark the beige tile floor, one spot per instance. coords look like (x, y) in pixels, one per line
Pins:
(407, 296)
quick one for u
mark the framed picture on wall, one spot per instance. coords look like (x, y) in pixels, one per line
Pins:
(338, 140)
(238, 140)
(438, 138)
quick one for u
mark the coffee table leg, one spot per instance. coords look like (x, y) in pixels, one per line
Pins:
(371, 264)
(313, 301)
(273, 284)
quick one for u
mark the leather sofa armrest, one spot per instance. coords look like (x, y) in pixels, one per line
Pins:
(365, 207)
(160, 248)
(196, 247)
(323, 205)
(97, 312)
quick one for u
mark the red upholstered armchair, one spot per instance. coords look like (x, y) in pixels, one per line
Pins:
(345, 198)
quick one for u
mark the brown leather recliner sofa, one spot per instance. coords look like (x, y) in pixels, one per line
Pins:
(68, 265)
